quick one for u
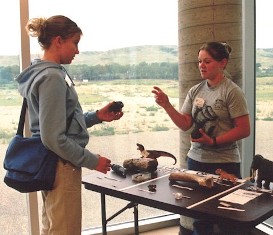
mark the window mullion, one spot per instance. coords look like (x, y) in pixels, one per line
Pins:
(32, 199)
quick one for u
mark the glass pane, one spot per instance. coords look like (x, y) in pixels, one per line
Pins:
(13, 206)
(264, 80)
(127, 47)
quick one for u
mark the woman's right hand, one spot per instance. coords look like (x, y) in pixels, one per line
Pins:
(160, 97)
(104, 165)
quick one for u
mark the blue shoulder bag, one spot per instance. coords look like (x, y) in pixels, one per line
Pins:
(29, 164)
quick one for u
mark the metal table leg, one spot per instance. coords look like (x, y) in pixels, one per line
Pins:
(105, 221)
(103, 214)
(136, 219)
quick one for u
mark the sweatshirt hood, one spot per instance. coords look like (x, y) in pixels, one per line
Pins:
(26, 77)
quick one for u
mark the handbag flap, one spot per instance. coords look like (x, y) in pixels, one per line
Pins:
(25, 154)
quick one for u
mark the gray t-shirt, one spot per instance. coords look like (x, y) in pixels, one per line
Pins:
(213, 108)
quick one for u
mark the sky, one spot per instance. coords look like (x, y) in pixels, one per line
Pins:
(111, 24)
(264, 24)
(106, 24)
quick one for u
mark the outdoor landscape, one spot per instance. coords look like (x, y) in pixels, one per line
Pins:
(143, 122)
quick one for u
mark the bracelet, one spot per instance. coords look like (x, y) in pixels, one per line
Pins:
(214, 141)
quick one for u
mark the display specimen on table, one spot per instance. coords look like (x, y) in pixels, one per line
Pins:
(154, 154)
(223, 175)
(205, 181)
(140, 164)
(141, 177)
(148, 160)
(119, 170)
(265, 171)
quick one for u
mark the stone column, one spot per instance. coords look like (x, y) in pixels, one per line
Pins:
(200, 22)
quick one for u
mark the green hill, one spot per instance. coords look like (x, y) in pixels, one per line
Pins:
(123, 56)
(136, 55)
(265, 57)
(129, 55)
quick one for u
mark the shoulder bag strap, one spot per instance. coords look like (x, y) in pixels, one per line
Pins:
(20, 129)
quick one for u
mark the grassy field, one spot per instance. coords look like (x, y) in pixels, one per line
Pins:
(141, 113)
(264, 100)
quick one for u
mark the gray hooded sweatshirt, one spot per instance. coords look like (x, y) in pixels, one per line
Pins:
(53, 105)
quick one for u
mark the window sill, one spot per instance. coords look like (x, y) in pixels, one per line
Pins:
(144, 226)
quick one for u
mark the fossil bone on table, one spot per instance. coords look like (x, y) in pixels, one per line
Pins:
(205, 181)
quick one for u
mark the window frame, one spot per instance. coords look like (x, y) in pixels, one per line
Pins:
(32, 198)
(248, 81)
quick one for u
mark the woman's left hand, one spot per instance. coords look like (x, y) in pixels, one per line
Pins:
(204, 139)
(104, 114)
(241, 130)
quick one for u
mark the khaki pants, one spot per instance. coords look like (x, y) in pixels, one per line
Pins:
(62, 209)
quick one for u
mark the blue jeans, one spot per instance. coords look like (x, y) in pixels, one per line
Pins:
(204, 227)
(231, 168)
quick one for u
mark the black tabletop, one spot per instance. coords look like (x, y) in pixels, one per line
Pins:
(200, 202)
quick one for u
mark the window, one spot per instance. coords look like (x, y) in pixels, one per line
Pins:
(126, 49)
(264, 81)
(121, 47)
